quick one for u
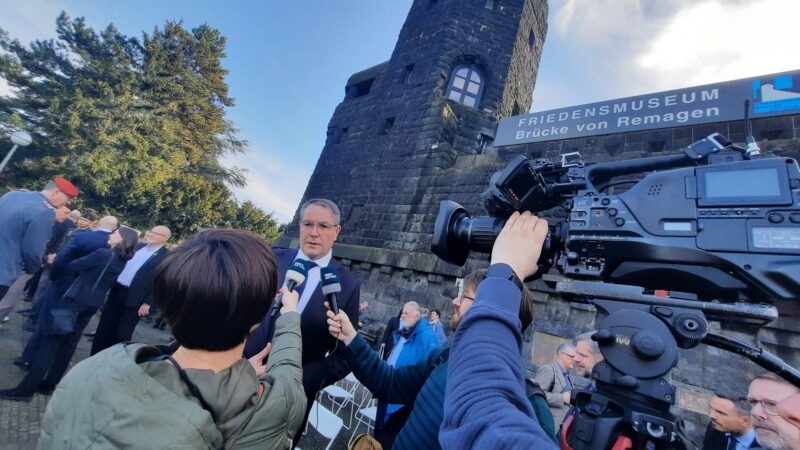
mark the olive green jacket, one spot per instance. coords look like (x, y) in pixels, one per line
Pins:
(120, 399)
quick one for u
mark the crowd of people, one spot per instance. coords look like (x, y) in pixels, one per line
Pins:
(251, 353)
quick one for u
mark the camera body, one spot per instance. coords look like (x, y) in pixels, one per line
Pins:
(713, 224)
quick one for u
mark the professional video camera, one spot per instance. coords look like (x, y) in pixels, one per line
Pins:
(713, 233)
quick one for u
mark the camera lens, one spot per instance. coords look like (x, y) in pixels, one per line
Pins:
(456, 233)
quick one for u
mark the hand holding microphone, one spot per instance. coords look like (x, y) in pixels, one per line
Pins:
(295, 275)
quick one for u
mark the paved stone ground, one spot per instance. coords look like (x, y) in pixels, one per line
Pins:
(20, 422)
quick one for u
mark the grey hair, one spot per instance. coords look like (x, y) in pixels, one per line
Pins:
(325, 203)
(587, 337)
(50, 186)
(563, 348)
(413, 306)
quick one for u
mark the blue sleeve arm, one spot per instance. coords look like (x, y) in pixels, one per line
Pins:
(96, 258)
(485, 404)
(391, 384)
(65, 255)
(34, 241)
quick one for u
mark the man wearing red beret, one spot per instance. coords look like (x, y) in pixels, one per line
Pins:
(25, 226)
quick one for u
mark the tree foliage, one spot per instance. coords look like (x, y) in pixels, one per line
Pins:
(138, 124)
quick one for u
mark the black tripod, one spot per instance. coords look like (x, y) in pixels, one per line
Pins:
(640, 337)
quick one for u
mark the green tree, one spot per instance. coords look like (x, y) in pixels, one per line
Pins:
(138, 124)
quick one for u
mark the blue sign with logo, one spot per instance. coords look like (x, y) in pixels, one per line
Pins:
(769, 95)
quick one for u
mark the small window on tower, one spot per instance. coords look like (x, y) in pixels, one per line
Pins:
(532, 39)
(466, 86)
(406, 73)
(387, 126)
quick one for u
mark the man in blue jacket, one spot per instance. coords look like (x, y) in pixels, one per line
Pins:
(485, 403)
(25, 224)
(420, 386)
(61, 278)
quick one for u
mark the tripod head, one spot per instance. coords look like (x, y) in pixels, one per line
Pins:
(629, 404)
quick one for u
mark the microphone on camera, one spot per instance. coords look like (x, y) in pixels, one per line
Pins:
(330, 287)
(295, 275)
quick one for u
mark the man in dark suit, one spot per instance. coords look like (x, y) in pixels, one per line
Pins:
(319, 228)
(731, 427)
(131, 296)
(61, 277)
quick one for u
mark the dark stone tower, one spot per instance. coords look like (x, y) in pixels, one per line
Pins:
(416, 129)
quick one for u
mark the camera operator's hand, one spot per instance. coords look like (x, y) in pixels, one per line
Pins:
(340, 327)
(290, 300)
(520, 242)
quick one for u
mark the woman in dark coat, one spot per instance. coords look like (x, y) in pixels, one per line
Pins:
(95, 274)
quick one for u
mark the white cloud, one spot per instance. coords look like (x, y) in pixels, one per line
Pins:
(271, 184)
(714, 41)
(604, 49)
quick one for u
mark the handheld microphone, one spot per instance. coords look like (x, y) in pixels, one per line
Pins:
(295, 275)
(330, 287)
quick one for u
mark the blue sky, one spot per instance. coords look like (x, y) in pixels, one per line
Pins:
(289, 61)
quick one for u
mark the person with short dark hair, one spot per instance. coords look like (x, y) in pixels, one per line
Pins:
(420, 386)
(130, 297)
(437, 326)
(731, 426)
(94, 274)
(212, 290)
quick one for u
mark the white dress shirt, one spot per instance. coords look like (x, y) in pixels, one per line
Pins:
(312, 278)
(134, 264)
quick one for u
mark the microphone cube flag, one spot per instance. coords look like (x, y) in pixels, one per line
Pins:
(330, 281)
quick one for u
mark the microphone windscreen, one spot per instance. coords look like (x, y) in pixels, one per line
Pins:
(330, 281)
(298, 271)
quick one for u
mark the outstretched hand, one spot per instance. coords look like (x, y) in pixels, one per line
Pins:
(257, 361)
(340, 327)
(520, 243)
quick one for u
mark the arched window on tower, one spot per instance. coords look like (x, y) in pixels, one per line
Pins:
(466, 86)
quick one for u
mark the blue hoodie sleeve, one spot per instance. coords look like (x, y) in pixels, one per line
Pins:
(485, 404)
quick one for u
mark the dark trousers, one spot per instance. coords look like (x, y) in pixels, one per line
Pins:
(55, 352)
(117, 321)
(388, 433)
(3, 290)
(51, 298)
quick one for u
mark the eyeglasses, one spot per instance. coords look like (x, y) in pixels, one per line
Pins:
(463, 297)
(156, 233)
(567, 354)
(322, 227)
(770, 407)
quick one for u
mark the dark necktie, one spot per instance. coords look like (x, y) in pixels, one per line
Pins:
(731, 442)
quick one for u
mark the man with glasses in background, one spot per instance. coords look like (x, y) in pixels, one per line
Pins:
(773, 432)
(555, 381)
(131, 296)
(319, 228)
